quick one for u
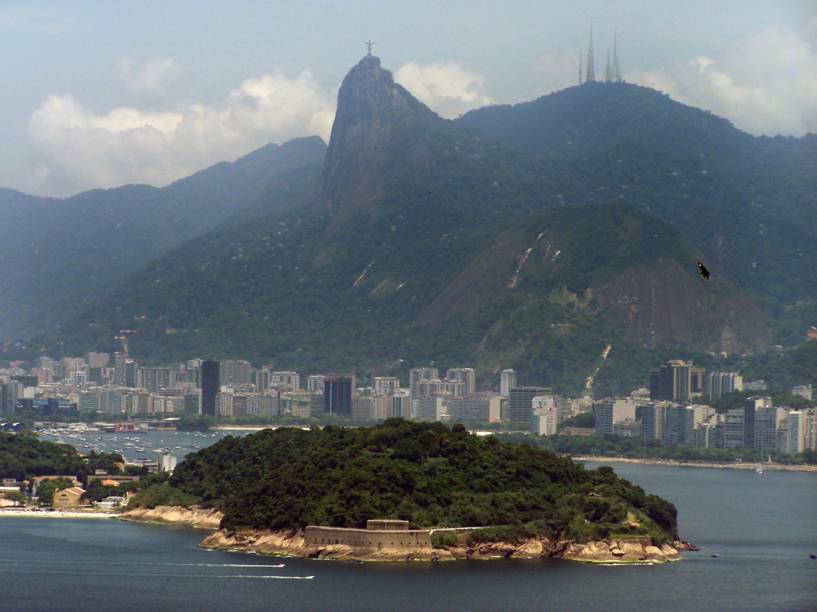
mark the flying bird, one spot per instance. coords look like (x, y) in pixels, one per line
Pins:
(702, 269)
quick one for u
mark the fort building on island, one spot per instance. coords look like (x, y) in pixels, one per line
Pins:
(379, 534)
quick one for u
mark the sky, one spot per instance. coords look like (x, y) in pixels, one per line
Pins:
(98, 94)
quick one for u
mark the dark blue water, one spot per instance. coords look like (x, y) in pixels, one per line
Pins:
(763, 528)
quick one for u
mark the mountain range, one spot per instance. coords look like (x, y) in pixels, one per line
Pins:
(558, 236)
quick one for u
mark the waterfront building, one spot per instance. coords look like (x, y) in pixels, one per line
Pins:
(507, 381)
(767, 421)
(614, 415)
(733, 428)
(67, 498)
(795, 432)
(192, 403)
(209, 386)
(521, 403)
(750, 408)
(88, 403)
(652, 420)
(337, 394)
(234, 373)
(706, 434)
(224, 403)
(672, 381)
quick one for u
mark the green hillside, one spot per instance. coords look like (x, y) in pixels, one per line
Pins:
(424, 473)
(60, 255)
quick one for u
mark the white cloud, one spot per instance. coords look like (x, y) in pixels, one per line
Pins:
(80, 149)
(766, 84)
(555, 71)
(151, 78)
(446, 87)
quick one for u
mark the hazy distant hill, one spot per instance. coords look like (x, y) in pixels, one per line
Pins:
(58, 255)
(422, 240)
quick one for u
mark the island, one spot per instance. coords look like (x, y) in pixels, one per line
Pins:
(403, 491)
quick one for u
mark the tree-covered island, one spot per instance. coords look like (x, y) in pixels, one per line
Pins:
(524, 501)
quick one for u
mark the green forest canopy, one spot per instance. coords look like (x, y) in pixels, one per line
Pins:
(425, 473)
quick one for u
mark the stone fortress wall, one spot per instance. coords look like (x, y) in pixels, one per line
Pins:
(379, 534)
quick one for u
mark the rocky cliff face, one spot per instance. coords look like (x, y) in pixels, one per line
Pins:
(374, 114)
(666, 305)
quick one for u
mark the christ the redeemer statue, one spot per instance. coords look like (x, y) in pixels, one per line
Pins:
(369, 44)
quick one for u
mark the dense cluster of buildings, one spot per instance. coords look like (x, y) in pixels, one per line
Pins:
(676, 409)
(115, 387)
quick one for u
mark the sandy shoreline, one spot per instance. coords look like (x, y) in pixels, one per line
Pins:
(782, 467)
(55, 514)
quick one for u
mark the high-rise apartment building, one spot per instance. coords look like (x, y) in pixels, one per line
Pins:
(507, 381)
(235, 373)
(209, 386)
(385, 385)
(796, 431)
(750, 408)
(466, 376)
(285, 380)
(521, 408)
(401, 404)
(611, 414)
(718, 384)
(315, 383)
(767, 422)
(417, 375)
(337, 395)
(671, 381)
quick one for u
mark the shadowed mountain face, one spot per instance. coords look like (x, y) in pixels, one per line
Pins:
(58, 255)
(748, 204)
(423, 240)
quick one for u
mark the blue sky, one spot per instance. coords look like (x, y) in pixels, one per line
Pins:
(98, 94)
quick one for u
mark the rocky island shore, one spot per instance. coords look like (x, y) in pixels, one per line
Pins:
(293, 544)
(198, 518)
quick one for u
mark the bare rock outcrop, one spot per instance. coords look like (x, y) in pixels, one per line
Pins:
(200, 518)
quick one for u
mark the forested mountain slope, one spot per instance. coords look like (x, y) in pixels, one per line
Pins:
(58, 255)
(423, 240)
(749, 204)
